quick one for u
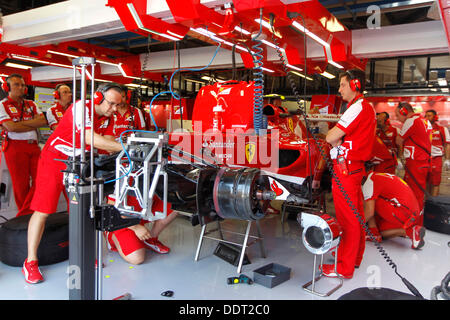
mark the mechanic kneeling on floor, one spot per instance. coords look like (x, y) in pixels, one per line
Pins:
(352, 141)
(49, 180)
(391, 209)
(131, 242)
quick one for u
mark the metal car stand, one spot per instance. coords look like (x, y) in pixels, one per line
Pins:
(312, 283)
(258, 238)
(87, 218)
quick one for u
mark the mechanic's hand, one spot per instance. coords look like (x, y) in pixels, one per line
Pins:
(400, 165)
(316, 184)
(141, 232)
(447, 164)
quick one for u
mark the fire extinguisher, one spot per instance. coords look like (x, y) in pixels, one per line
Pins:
(217, 119)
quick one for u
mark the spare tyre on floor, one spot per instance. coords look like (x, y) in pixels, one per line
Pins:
(53, 248)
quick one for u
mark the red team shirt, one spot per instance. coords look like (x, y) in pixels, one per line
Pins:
(388, 136)
(359, 123)
(390, 187)
(396, 205)
(61, 139)
(440, 136)
(131, 119)
(11, 110)
(54, 114)
(416, 133)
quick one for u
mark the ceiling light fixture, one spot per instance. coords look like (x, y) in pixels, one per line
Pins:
(270, 44)
(309, 33)
(25, 58)
(124, 73)
(301, 75)
(239, 29)
(140, 25)
(328, 75)
(294, 67)
(268, 70)
(19, 66)
(268, 26)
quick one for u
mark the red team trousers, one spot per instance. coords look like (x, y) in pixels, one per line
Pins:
(352, 244)
(22, 161)
(419, 169)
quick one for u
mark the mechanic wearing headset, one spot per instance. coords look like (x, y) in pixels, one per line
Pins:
(352, 140)
(391, 208)
(440, 147)
(414, 143)
(19, 119)
(131, 242)
(63, 99)
(49, 180)
(386, 132)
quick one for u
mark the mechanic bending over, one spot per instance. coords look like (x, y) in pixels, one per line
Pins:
(49, 180)
(391, 209)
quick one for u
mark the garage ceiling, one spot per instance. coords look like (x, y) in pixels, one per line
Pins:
(383, 74)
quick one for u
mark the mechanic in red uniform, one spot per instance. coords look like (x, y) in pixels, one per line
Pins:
(352, 140)
(440, 147)
(414, 143)
(386, 132)
(125, 118)
(131, 242)
(63, 99)
(49, 180)
(391, 208)
(383, 159)
(20, 118)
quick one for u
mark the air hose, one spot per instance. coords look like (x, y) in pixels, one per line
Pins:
(258, 78)
(330, 167)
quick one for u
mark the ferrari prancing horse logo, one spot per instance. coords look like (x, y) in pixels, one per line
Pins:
(250, 150)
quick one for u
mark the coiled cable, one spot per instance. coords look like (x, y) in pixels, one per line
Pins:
(258, 78)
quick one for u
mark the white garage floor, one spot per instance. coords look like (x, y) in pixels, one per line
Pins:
(206, 279)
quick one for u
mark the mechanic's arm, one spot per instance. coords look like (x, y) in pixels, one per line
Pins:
(18, 126)
(102, 143)
(369, 209)
(37, 122)
(399, 142)
(334, 136)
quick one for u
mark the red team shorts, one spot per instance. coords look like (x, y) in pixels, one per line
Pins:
(436, 171)
(126, 238)
(49, 182)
